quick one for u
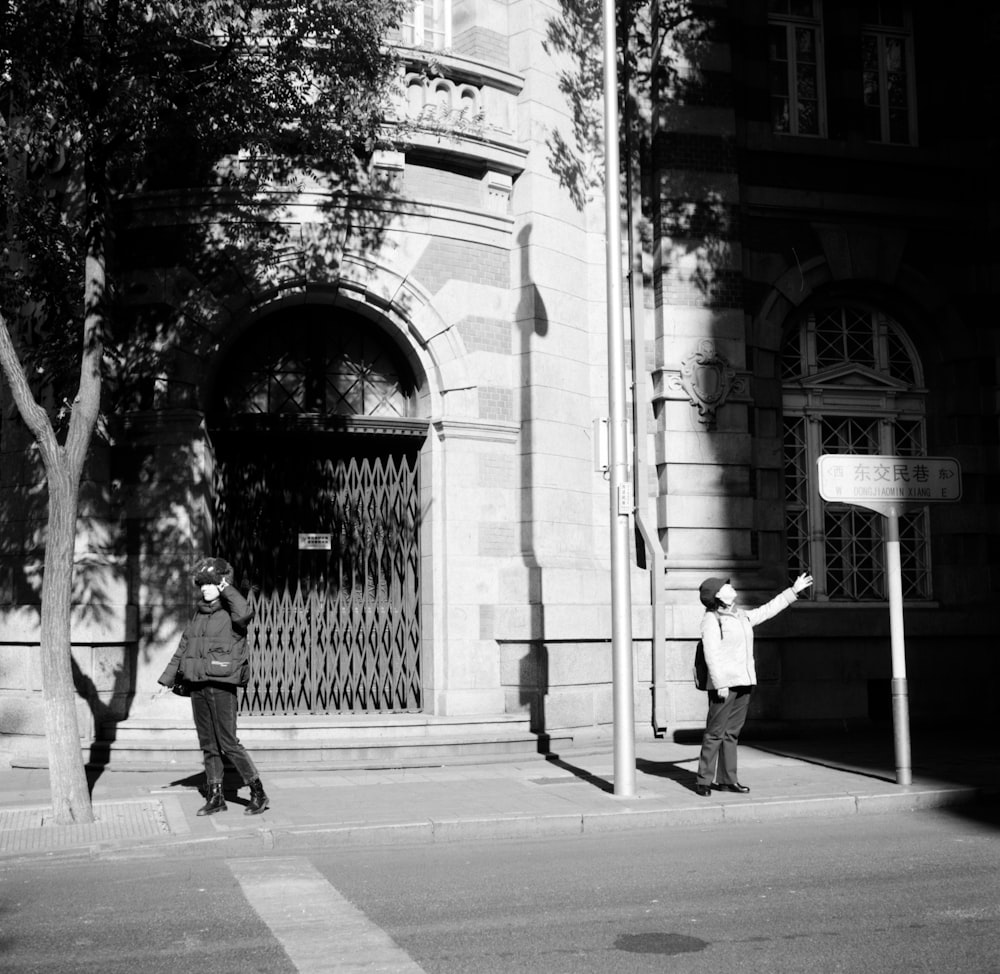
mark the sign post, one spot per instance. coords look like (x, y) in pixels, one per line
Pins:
(892, 486)
(900, 690)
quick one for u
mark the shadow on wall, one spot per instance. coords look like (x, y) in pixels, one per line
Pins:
(533, 685)
(120, 558)
(109, 701)
(533, 324)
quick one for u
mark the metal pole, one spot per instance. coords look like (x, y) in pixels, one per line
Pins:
(655, 559)
(900, 693)
(621, 493)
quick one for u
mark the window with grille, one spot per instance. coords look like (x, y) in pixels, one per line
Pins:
(318, 363)
(887, 68)
(427, 24)
(852, 383)
(795, 55)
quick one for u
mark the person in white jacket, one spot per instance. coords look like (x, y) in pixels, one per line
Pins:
(727, 638)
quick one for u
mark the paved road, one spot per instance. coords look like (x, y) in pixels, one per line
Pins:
(894, 893)
(890, 894)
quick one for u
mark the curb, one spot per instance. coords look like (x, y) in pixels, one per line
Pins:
(262, 838)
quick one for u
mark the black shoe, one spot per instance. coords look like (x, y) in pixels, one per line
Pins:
(703, 790)
(216, 802)
(735, 786)
(258, 800)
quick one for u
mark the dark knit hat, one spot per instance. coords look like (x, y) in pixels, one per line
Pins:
(212, 571)
(709, 589)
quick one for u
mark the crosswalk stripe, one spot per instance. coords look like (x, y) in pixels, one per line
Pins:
(321, 932)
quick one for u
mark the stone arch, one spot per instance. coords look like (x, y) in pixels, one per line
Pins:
(394, 302)
(942, 338)
(919, 304)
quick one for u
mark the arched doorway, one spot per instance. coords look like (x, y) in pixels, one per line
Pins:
(316, 504)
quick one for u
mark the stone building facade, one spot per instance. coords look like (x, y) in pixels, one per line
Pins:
(826, 231)
(399, 412)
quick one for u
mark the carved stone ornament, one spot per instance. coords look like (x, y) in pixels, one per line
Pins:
(709, 380)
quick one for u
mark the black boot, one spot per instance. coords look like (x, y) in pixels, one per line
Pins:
(216, 802)
(258, 800)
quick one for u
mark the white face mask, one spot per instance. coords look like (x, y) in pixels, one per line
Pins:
(209, 592)
(726, 595)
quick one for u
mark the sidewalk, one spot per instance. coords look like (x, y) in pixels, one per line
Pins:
(153, 813)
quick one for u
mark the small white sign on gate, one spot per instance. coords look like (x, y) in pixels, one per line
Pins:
(315, 542)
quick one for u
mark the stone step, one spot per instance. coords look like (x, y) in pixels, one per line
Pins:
(327, 741)
(166, 753)
(257, 730)
(318, 742)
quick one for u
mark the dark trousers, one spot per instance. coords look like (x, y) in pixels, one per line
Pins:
(722, 733)
(214, 706)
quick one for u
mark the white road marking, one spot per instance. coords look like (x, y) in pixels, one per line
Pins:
(321, 932)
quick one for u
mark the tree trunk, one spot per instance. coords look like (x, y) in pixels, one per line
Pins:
(63, 467)
(67, 777)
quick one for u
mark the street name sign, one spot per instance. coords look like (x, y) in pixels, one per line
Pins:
(886, 483)
(891, 486)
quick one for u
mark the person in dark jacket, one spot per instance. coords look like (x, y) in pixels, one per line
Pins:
(211, 662)
(727, 638)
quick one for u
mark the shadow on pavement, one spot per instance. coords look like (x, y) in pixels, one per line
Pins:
(670, 770)
(966, 756)
(592, 779)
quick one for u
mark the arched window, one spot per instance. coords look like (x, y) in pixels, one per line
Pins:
(317, 363)
(851, 383)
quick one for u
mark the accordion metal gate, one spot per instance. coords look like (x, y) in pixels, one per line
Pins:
(336, 623)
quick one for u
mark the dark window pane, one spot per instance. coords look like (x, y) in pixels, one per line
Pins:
(870, 81)
(896, 90)
(780, 115)
(779, 79)
(869, 52)
(805, 45)
(808, 118)
(805, 79)
(895, 54)
(777, 44)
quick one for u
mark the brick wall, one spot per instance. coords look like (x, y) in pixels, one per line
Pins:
(486, 335)
(445, 260)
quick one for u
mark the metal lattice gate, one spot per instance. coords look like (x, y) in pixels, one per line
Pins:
(336, 627)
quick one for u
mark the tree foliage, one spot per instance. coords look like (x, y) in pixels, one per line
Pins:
(102, 101)
(107, 98)
(658, 44)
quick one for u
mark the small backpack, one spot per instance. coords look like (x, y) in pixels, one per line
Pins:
(700, 666)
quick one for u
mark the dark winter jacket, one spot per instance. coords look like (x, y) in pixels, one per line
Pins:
(213, 647)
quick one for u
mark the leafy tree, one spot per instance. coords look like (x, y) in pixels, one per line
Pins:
(105, 99)
(657, 43)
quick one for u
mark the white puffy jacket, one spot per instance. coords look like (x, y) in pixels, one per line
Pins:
(727, 636)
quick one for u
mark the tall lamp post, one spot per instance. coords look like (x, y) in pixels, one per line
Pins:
(622, 502)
